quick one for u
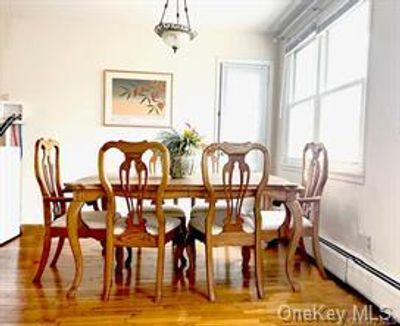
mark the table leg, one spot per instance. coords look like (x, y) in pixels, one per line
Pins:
(297, 215)
(72, 227)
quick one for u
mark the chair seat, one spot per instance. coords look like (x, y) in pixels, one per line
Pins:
(198, 223)
(272, 220)
(151, 222)
(169, 211)
(202, 208)
(247, 207)
(93, 219)
(199, 213)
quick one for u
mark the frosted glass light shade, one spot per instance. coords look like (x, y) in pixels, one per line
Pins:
(175, 39)
(175, 35)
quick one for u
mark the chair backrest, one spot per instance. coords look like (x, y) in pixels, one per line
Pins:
(214, 159)
(132, 182)
(315, 169)
(47, 172)
(153, 162)
(236, 177)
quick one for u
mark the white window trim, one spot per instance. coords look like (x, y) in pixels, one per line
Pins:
(350, 173)
(270, 91)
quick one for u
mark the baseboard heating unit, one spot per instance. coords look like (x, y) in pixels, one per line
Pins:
(377, 287)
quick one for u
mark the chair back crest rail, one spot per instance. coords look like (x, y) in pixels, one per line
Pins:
(236, 176)
(47, 172)
(133, 181)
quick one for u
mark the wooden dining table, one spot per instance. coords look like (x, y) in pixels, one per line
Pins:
(89, 189)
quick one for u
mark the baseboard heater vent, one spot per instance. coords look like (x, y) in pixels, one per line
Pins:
(363, 264)
(376, 286)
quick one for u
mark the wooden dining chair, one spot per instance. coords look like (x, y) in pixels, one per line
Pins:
(142, 229)
(227, 228)
(48, 176)
(277, 224)
(174, 209)
(170, 210)
(202, 207)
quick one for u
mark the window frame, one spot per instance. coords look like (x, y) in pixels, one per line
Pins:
(343, 171)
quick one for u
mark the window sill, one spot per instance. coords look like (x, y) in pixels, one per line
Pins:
(355, 177)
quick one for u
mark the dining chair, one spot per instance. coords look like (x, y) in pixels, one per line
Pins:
(227, 227)
(174, 209)
(48, 176)
(202, 206)
(151, 229)
(170, 210)
(277, 223)
(154, 159)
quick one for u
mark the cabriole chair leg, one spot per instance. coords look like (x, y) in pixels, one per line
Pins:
(60, 245)
(44, 258)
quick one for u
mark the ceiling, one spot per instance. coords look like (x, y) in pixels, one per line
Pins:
(253, 15)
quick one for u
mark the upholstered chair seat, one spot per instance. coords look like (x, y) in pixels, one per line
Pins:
(151, 224)
(169, 210)
(271, 220)
(92, 219)
(198, 223)
(202, 208)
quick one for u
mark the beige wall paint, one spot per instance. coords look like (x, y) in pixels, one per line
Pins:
(55, 68)
(373, 208)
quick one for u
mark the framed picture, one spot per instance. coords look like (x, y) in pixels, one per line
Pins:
(140, 99)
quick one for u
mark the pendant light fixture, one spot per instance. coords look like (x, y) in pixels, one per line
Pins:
(176, 34)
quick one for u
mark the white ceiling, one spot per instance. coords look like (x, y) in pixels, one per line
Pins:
(254, 15)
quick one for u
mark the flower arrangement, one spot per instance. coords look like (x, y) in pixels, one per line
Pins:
(182, 147)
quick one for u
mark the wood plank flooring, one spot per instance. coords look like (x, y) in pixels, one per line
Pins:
(131, 301)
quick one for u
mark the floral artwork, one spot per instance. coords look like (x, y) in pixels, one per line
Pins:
(138, 99)
(150, 94)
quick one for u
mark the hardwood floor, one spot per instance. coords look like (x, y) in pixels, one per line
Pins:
(131, 300)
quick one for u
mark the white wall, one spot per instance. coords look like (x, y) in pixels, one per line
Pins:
(55, 68)
(373, 208)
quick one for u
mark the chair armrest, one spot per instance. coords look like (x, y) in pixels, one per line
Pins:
(309, 200)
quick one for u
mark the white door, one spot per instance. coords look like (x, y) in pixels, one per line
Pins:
(243, 102)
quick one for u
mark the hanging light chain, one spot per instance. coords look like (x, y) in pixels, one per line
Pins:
(177, 11)
(165, 10)
(187, 14)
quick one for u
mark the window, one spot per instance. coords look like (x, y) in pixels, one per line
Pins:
(325, 96)
(242, 114)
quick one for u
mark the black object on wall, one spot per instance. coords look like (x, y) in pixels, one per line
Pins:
(8, 122)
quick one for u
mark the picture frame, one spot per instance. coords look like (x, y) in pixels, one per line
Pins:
(138, 99)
